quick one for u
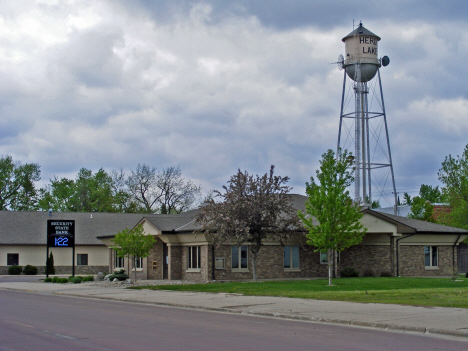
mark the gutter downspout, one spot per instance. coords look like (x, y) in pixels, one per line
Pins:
(397, 254)
(453, 253)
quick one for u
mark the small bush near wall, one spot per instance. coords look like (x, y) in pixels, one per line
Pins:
(368, 273)
(386, 274)
(349, 272)
(48, 280)
(30, 270)
(15, 270)
(120, 275)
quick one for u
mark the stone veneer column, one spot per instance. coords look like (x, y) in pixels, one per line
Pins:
(174, 269)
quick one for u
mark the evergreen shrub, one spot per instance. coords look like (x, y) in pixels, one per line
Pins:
(368, 273)
(120, 275)
(48, 280)
(30, 270)
(15, 270)
(349, 272)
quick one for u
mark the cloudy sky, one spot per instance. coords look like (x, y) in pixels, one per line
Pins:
(214, 86)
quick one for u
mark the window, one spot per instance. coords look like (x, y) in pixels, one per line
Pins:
(12, 259)
(323, 257)
(291, 257)
(239, 257)
(82, 259)
(119, 261)
(138, 262)
(194, 259)
(430, 256)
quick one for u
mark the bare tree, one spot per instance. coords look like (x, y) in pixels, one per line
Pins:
(142, 185)
(163, 192)
(178, 195)
(250, 210)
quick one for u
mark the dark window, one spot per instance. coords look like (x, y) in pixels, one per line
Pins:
(239, 257)
(194, 259)
(82, 259)
(12, 259)
(291, 257)
(430, 256)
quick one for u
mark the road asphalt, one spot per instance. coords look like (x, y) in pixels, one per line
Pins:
(424, 320)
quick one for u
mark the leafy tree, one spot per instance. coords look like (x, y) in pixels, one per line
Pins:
(421, 209)
(133, 244)
(408, 198)
(17, 189)
(331, 217)
(88, 193)
(430, 193)
(250, 210)
(58, 196)
(454, 176)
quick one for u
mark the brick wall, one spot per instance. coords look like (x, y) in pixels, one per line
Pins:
(411, 261)
(175, 262)
(378, 258)
(270, 260)
(155, 255)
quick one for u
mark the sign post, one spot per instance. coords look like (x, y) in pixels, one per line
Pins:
(61, 233)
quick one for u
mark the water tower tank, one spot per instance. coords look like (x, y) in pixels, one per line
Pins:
(361, 47)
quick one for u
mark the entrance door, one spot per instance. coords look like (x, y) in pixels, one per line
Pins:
(165, 261)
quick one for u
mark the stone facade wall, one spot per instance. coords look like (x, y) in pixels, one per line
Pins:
(67, 270)
(377, 258)
(411, 261)
(155, 255)
(205, 263)
(175, 262)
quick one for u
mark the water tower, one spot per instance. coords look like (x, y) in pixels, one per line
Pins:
(363, 123)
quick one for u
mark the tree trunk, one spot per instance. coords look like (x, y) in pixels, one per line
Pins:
(134, 268)
(330, 267)
(254, 266)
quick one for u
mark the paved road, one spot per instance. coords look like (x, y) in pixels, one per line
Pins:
(31, 321)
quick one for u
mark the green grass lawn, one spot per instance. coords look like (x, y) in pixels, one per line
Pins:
(408, 291)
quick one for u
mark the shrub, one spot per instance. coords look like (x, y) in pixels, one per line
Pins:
(15, 270)
(89, 278)
(55, 279)
(386, 274)
(349, 272)
(120, 275)
(30, 270)
(368, 273)
(50, 264)
(77, 280)
(48, 280)
(62, 280)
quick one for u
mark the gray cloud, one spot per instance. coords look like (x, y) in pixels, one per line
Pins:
(213, 87)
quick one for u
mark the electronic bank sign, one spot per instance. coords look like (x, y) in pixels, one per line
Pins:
(61, 233)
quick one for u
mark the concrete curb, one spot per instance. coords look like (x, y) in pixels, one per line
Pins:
(355, 323)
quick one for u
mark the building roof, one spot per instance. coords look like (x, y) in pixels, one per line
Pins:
(360, 30)
(30, 228)
(409, 225)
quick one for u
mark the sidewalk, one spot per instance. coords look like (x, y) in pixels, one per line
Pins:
(432, 320)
